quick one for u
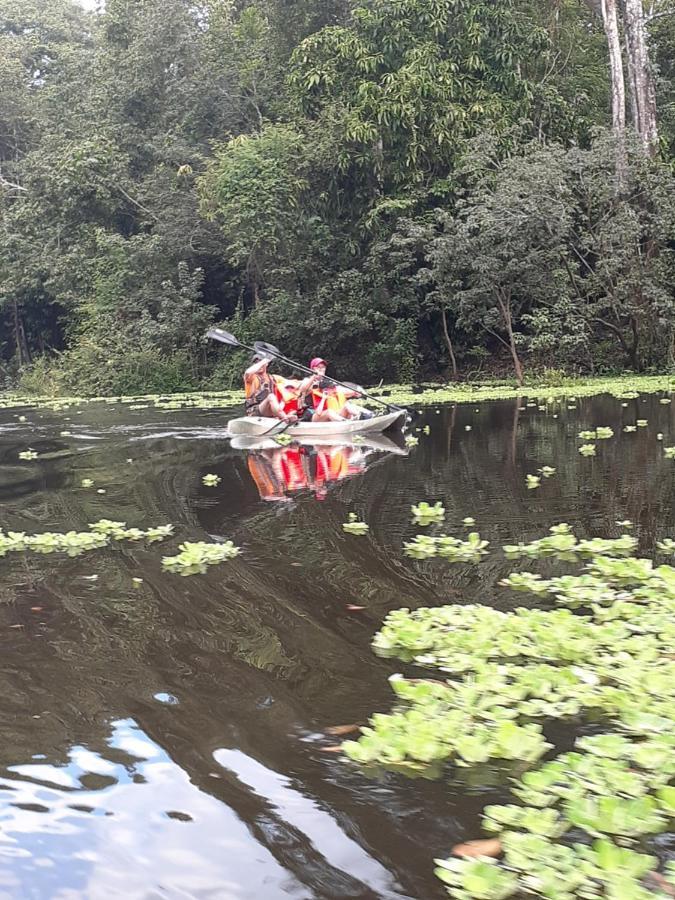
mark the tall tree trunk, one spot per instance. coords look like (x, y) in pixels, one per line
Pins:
(505, 309)
(610, 23)
(448, 342)
(643, 91)
(22, 351)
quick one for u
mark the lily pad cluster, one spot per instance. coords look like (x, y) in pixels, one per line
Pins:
(196, 557)
(580, 824)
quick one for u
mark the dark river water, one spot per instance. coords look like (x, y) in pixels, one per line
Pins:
(168, 738)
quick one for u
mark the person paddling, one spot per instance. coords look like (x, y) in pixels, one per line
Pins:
(322, 401)
(260, 389)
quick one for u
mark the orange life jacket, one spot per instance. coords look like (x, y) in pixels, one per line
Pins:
(333, 399)
(257, 387)
(286, 390)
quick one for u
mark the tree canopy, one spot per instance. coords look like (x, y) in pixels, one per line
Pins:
(417, 188)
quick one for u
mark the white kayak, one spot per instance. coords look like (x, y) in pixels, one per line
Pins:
(257, 426)
(366, 441)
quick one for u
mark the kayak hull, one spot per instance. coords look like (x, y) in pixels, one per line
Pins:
(367, 441)
(257, 426)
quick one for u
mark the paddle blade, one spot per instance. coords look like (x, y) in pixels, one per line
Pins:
(217, 334)
(266, 349)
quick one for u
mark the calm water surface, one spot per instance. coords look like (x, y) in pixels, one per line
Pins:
(169, 739)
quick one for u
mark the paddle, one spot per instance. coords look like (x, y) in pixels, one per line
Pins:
(271, 350)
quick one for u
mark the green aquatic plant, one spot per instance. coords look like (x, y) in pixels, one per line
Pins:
(547, 471)
(211, 480)
(588, 435)
(603, 433)
(196, 557)
(450, 548)
(641, 423)
(411, 440)
(87, 483)
(669, 452)
(533, 481)
(468, 521)
(580, 820)
(667, 545)
(563, 544)
(73, 543)
(354, 526)
(28, 454)
(629, 428)
(424, 513)
(665, 400)
(587, 449)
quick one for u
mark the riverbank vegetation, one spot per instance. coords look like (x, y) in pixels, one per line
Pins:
(417, 190)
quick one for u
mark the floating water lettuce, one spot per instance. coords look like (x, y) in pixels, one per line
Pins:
(563, 544)
(425, 513)
(579, 821)
(533, 481)
(411, 440)
(28, 454)
(546, 471)
(196, 557)
(354, 526)
(87, 483)
(211, 480)
(669, 452)
(587, 449)
(450, 548)
(468, 521)
(73, 543)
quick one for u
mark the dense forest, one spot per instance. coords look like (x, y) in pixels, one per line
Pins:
(411, 188)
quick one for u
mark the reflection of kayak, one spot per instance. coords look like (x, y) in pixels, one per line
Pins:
(257, 426)
(371, 441)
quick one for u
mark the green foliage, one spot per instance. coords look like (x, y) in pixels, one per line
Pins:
(425, 188)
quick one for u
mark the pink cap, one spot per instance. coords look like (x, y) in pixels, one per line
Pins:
(317, 361)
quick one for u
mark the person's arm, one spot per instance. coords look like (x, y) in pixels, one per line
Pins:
(256, 367)
(307, 385)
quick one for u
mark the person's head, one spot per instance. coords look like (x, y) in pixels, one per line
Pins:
(318, 366)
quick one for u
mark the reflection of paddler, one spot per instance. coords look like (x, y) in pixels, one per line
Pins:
(277, 472)
(294, 467)
(331, 464)
(265, 469)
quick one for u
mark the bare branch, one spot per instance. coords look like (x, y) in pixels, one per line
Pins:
(11, 185)
(657, 15)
